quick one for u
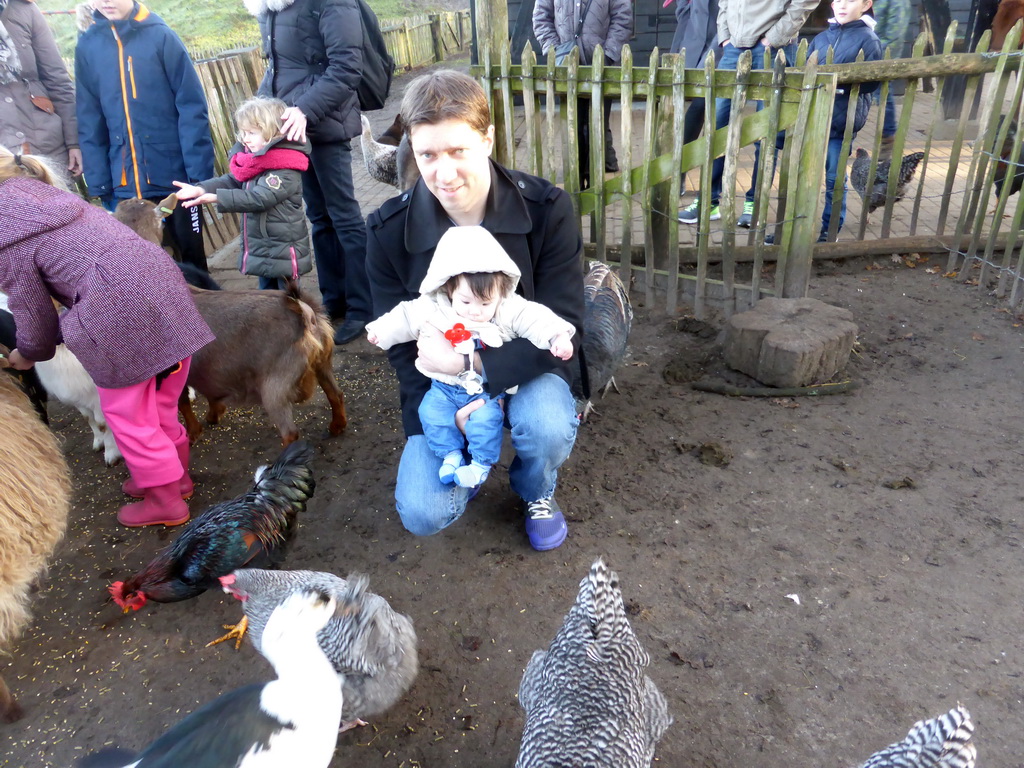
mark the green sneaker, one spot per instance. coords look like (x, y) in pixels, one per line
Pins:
(691, 213)
(747, 216)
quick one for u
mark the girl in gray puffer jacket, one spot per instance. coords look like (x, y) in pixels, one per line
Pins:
(265, 186)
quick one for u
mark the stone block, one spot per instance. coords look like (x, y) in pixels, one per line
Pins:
(790, 342)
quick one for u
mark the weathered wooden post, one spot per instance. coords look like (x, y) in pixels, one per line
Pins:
(435, 36)
(491, 33)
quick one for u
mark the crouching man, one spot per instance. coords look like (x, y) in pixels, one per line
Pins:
(451, 135)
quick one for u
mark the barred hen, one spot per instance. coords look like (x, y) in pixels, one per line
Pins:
(607, 320)
(587, 699)
(859, 178)
(252, 529)
(942, 742)
(371, 647)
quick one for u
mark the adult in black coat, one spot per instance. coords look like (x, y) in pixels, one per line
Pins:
(314, 62)
(450, 131)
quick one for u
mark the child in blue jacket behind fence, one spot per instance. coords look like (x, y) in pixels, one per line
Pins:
(848, 33)
(265, 186)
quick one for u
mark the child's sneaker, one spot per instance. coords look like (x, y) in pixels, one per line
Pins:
(471, 475)
(449, 465)
(747, 216)
(691, 213)
(545, 524)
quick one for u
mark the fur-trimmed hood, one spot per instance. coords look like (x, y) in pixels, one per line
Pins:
(260, 7)
(467, 249)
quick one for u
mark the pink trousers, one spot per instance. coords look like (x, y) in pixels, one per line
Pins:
(145, 426)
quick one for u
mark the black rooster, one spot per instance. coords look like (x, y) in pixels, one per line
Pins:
(859, 178)
(253, 529)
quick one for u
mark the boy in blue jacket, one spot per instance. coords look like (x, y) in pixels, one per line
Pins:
(848, 33)
(142, 116)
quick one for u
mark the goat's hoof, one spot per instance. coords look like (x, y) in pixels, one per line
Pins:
(12, 712)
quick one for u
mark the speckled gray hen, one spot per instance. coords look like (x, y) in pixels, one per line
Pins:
(372, 646)
(587, 699)
(942, 742)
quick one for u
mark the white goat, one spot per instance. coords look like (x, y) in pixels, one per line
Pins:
(66, 379)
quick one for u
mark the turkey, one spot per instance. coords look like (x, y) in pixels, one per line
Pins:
(392, 135)
(607, 319)
(372, 648)
(587, 699)
(942, 742)
(290, 721)
(859, 178)
(392, 164)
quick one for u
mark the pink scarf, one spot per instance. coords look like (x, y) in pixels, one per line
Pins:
(245, 166)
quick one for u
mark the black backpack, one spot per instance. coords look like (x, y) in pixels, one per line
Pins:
(378, 66)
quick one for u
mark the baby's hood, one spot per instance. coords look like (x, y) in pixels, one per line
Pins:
(467, 249)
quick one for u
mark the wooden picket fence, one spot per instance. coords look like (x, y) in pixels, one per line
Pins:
(629, 218)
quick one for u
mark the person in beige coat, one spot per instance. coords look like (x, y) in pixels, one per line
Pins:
(469, 295)
(758, 26)
(37, 98)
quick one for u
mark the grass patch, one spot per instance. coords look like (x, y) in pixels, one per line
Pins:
(211, 24)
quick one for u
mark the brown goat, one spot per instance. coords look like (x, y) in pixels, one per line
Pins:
(1008, 14)
(271, 348)
(35, 493)
(147, 219)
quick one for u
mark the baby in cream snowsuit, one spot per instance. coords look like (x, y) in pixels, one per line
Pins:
(469, 295)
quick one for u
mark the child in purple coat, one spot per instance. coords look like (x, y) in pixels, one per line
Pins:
(130, 320)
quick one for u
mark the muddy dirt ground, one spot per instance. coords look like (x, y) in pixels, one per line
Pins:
(894, 513)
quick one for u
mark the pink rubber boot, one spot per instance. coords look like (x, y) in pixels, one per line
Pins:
(161, 505)
(185, 485)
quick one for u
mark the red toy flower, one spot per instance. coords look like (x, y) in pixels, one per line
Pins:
(457, 333)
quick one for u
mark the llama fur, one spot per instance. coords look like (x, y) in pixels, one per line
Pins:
(35, 493)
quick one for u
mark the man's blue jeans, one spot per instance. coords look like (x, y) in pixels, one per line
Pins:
(483, 430)
(831, 172)
(723, 109)
(542, 419)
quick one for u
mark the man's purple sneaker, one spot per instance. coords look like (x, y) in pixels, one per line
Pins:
(545, 524)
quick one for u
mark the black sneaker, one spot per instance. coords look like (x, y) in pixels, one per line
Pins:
(348, 331)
